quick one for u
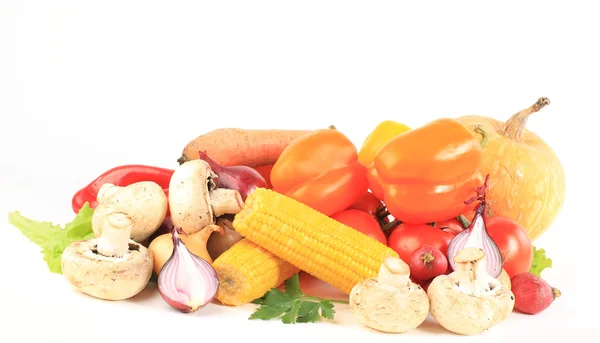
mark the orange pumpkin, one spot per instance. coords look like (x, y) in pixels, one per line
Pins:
(527, 181)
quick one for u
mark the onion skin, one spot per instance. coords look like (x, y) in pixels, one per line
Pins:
(243, 179)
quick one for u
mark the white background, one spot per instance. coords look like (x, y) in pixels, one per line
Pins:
(88, 85)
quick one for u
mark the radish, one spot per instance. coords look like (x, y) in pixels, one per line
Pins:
(427, 262)
(532, 294)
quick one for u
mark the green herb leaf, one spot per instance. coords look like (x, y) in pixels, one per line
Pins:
(276, 297)
(266, 312)
(292, 305)
(51, 237)
(327, 310)
(291, 315)
(309, 312)
(540, 262)
(292, 286)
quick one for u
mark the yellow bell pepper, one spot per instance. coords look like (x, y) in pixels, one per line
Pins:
(380, 136)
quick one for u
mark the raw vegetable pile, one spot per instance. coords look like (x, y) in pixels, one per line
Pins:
(437, 219)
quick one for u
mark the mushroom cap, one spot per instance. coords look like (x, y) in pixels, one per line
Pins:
(464, 314)
(388, 309)
(189, 198)
(144, 201)
(104, 277)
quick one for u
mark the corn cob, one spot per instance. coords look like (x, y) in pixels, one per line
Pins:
(247, 271)
(310, 240)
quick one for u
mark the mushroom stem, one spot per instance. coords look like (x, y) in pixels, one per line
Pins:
(225, 201)
(471, 273)
(114, 240)
(395, 273)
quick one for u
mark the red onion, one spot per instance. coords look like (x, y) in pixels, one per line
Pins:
(243, 179)
(476, 236)
(186, 281)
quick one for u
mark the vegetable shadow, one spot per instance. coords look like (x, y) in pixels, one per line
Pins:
(431, 326)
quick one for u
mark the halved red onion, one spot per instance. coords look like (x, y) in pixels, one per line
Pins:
(476, 236)
(186, 281)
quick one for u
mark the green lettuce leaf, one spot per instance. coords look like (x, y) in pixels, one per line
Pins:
(540, 262)
(52, 238)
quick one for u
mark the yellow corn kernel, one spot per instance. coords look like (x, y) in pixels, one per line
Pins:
(247, 271)
(310, 240)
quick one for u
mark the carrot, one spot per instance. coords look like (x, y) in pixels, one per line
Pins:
(232, 146)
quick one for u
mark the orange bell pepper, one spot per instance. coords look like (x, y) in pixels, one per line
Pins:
(380, 136)
(426, 174)
(321, 169)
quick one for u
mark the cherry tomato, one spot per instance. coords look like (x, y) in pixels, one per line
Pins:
(367, 203)
(513, 242)
(427, 262)
(452, 226)
(361, 221)
(407, 238)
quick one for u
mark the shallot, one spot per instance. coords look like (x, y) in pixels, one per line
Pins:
(186, 281)
(243, 179)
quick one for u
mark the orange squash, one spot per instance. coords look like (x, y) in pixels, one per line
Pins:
(527, 180)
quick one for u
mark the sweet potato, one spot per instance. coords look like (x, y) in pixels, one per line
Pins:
(233, 146)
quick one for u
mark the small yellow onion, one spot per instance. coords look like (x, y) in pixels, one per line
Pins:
(162, 246)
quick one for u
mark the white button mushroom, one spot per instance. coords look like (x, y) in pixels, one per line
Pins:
(391, 302)
(195, 201)
(112, 267)
(469, 300)
(144, 201)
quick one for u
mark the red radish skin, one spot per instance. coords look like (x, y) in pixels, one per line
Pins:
(532, 293)
(427, 262)
(425, 284)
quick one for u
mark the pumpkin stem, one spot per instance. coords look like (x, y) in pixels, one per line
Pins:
(515, 126)
(484, 134)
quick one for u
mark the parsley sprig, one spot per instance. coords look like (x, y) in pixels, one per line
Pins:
(293, 306)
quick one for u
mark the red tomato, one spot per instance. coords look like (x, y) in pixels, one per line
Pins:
(407, 238)
(368, 203)
(513, 242)
(452, 226)
(361, 221)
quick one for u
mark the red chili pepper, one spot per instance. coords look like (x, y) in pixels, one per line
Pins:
(122, 176)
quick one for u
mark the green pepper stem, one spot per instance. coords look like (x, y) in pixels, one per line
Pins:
(463, 221)
(484, 134)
